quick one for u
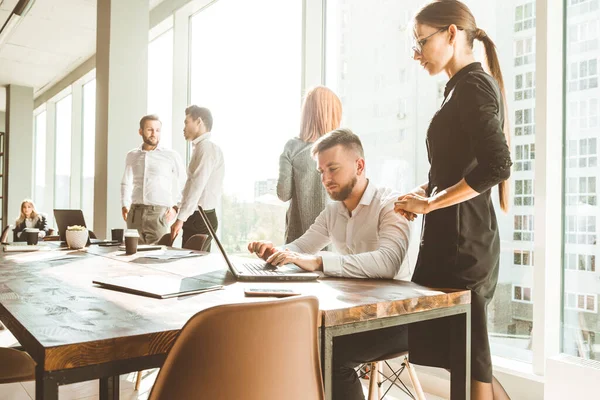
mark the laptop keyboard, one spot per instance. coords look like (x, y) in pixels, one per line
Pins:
(261, 269)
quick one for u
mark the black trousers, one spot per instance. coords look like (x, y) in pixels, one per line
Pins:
(195, 225)
(351, 351)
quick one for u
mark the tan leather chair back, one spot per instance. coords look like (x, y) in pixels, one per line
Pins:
(196, 242)
(252, 351)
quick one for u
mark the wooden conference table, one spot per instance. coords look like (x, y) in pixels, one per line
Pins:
(76, 331)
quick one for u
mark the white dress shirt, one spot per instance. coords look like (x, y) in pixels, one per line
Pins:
(206, 171)
(370, 243)
(152, 178)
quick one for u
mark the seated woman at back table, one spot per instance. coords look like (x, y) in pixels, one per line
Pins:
(30, 218)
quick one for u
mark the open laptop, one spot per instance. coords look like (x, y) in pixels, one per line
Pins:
(258, 271)
(66, 218)
(159, 287)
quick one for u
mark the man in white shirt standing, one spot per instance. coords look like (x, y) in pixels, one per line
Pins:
(370, 240)
(152, 183)
(206, 171)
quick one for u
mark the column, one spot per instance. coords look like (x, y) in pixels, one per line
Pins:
(121, 96)
(19, 130)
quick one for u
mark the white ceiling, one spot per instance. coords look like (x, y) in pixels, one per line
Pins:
(53, 38)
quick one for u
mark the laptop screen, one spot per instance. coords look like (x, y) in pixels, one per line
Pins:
(66, 218)
(217, 241)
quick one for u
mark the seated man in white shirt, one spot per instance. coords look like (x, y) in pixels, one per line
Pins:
(152, 183)
(370, 239)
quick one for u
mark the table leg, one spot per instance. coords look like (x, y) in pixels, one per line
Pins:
(327, 343)
(460, 369)
(109, 388)
(320, 336)
(46, 388)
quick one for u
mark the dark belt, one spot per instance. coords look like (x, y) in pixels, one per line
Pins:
(145, 207)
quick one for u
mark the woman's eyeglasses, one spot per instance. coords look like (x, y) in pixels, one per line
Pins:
(419, 44)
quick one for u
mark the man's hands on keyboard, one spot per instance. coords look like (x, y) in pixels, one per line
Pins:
(262, 248)
(307, 262)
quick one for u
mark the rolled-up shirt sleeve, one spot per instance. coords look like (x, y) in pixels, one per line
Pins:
(199, 171)
(179, 182)
(481, 115)
(127, 183)
(315, 238)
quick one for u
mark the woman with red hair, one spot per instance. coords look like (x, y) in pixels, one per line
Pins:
(299, 181)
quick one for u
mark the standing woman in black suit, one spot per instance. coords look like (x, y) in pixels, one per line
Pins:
(30, 218)
(467, 145)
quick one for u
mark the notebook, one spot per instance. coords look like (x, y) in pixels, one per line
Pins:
(159, 287)
(144, 247)
(21, 246)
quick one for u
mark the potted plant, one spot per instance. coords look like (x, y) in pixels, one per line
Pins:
(77, 236)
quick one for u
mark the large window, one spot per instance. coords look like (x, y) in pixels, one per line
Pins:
(581, 325)
(367, 63)
(247, 72)
(160, 83)
(524, 16)
(39, 189)
(389, 101)
(88, 151)
(62, 167)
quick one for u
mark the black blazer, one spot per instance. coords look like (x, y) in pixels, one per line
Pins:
(41, 224)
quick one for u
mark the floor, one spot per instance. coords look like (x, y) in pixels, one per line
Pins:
(89, 390)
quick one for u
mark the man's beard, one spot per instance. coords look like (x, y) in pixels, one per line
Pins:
(345, 191)
(149, 142)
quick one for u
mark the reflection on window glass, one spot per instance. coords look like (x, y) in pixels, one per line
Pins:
(160, 83)
(88, 152)
(62, 171)
(581, 325)
(367, 44)
(251, 83)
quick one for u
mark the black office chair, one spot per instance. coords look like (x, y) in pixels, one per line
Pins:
(4, 237)
(165, 240)
(197, 242)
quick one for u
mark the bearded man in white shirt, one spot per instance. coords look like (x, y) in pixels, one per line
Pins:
(370, 240)
(152, 183)
(206, 170)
